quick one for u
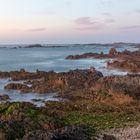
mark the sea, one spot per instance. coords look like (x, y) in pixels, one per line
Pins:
(51, 57)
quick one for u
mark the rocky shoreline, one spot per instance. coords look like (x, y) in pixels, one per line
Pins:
(126, 60)
(92, 102)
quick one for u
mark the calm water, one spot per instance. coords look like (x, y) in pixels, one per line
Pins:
(50, 59)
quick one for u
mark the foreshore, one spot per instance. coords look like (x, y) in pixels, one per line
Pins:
(92, 103)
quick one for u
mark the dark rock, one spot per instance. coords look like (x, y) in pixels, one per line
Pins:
(109, 137)
(113, 51)
(38, 135)
(17, 86)
(34, 46)
(71, 133)
(2, 136)
(4, 97)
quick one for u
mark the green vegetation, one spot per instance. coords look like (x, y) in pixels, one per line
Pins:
(17, 119)
(98, 122)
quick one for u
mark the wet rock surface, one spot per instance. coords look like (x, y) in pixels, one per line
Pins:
(73, 82)
(45, 82)
(125, 60)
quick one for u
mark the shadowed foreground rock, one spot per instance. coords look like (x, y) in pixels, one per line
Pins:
(66, 133)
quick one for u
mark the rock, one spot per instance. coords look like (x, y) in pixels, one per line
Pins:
(129, 85)
(109, 137)
(129, 65)
(22, 70)
(4, 74)
(38, 135)
(48, 82)
(71, 133)
(125, 60)
(2, 136)
(113, 51)
(34, 46)
(4, 97)
(17, 86)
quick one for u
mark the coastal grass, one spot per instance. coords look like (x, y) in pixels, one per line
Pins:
(95, 123)
(37, 117)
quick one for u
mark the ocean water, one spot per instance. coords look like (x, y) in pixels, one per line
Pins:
(51, 58)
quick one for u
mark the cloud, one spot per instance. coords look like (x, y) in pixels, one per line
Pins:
(97, 27)
(86, 23)
(130, 27)
(37, 29)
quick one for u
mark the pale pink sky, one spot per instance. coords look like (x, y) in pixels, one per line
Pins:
(69, 21)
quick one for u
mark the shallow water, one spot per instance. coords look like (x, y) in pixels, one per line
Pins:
(17, 96)
(51, 59)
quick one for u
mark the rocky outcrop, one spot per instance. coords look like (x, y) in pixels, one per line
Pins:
(112, 54)
(64, 133)
(21, 87)
(34, 46)
(125, 60)
(129, 84)
(129, 65)
(45, 82)
(109, 137)
(4, 97)
(113, 51)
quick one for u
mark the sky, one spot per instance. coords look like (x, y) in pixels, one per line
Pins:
(69, 21)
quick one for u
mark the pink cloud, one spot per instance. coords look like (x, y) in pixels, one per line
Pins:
(86, 23)
(37, 29)
(130, 27)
